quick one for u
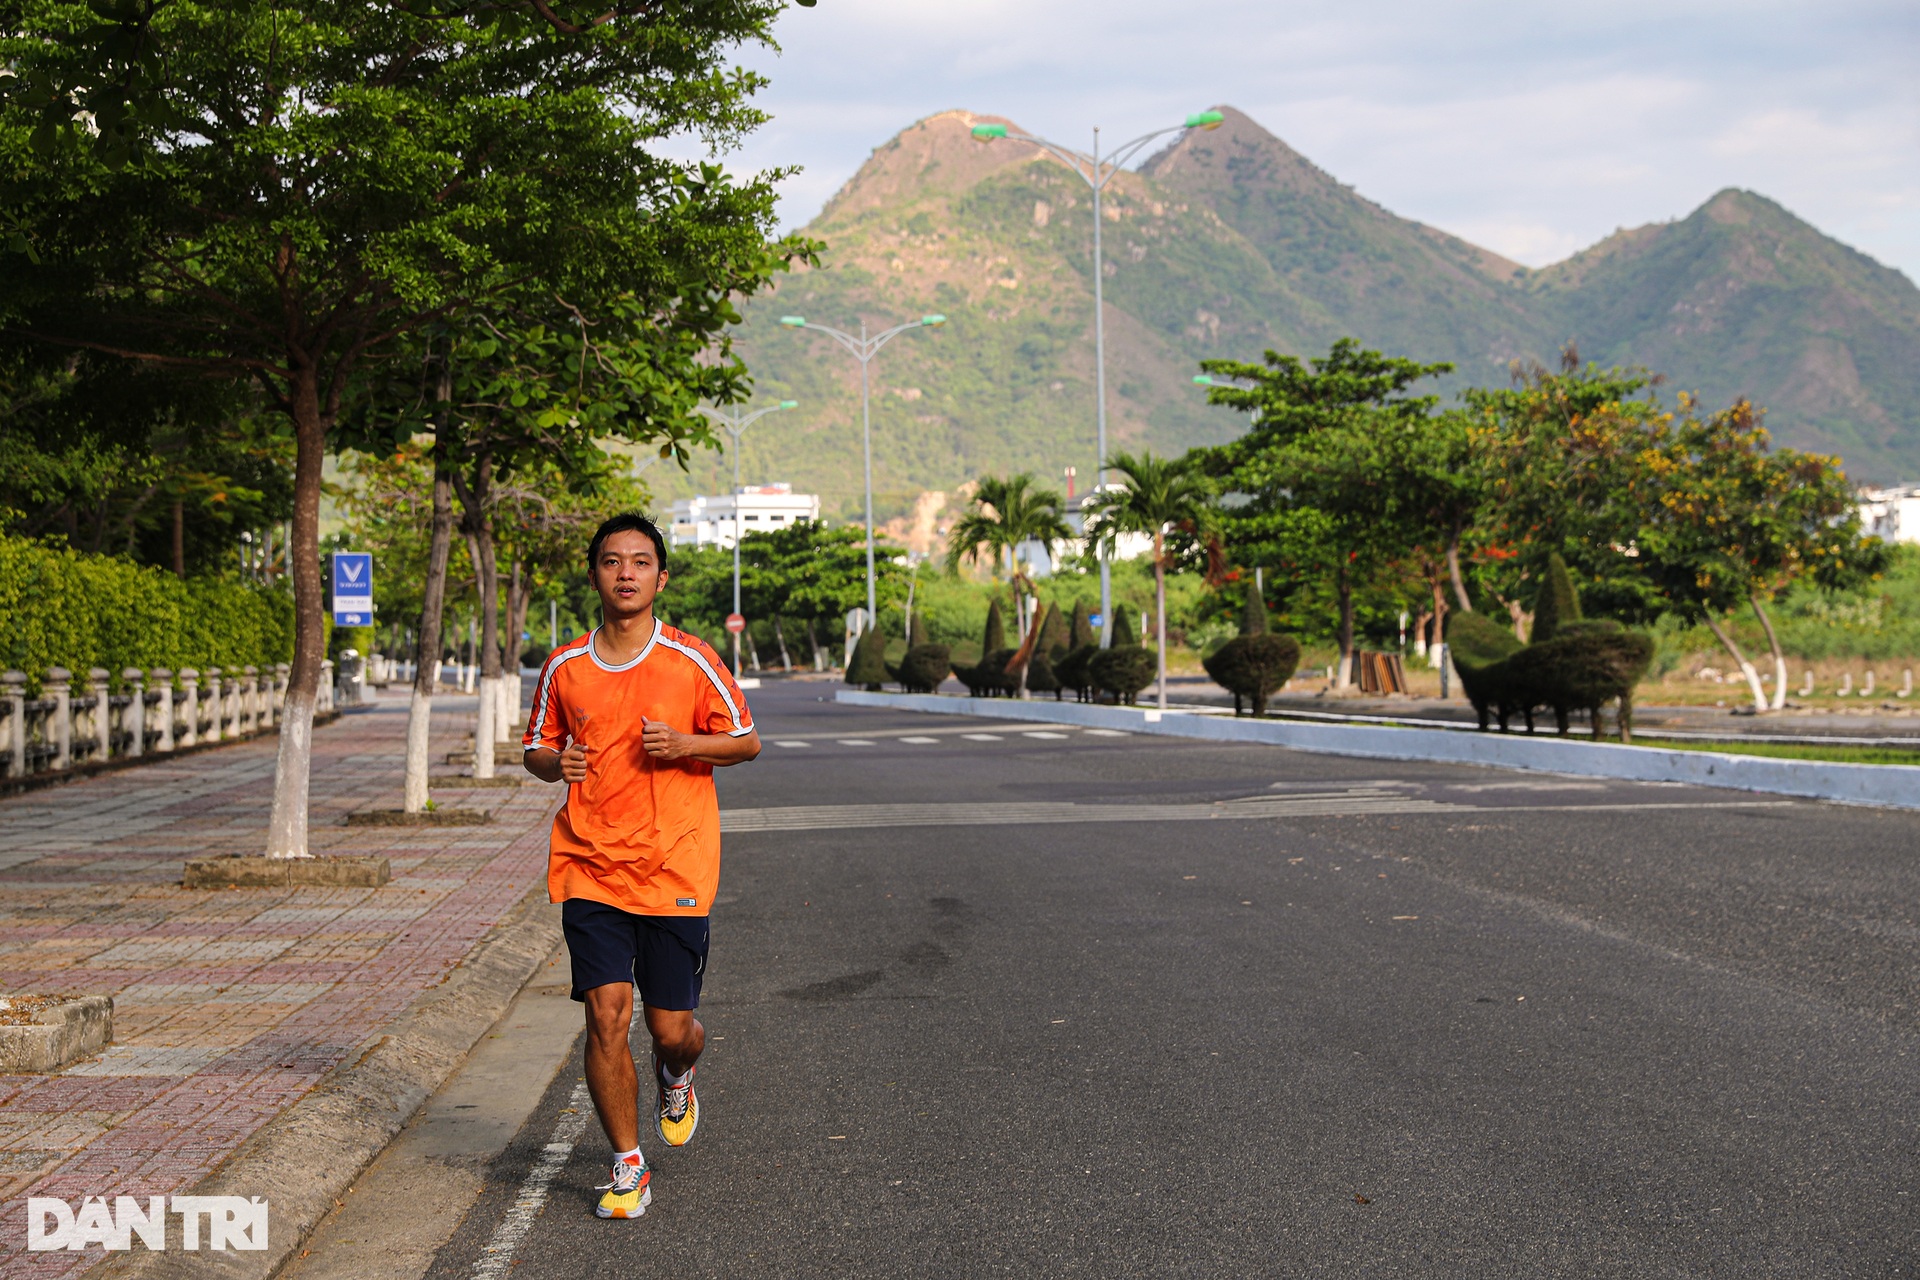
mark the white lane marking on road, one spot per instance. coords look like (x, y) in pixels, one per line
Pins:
(826, 816)
(922, 742)
(1358, 802)
(980, 737)
(497, 1260)
(1108, 733)
(1041, 733)
(791, 742)
(856, 742)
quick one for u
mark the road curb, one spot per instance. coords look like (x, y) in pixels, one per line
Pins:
(1894, 786)
(307, 1157)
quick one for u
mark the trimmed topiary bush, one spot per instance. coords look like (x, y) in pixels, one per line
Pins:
(1253, 618)
(1040, 676)
(1557, 604)
(995, 679)
(1123, 670)
(1071, 671)
(924, 667)
(1126, 632)
(1251, 667)
(1080, 631)
(869, 665)
(1055, 637)
(1581, 666)
(1478, 646)
(1585, 666)
(989, 676)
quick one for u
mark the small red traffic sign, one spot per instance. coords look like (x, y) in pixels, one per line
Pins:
(736, 623)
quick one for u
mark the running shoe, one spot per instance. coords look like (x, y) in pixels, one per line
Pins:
(628, 1194)
(679, 1109)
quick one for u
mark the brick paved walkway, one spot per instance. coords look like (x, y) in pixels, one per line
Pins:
(228, 1005)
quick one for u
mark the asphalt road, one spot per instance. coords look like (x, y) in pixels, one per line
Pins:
(1384, 1020)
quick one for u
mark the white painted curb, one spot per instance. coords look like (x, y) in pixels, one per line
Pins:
(1893, 785)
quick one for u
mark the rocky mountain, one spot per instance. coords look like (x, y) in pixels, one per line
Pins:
(1230, 242)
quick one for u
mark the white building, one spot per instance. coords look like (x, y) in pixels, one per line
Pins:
(718, 521)
(1893, 515)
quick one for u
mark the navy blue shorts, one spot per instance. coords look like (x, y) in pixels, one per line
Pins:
(665, 956)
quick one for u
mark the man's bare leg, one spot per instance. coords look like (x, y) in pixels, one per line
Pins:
(678, 1038)
(610, 1074)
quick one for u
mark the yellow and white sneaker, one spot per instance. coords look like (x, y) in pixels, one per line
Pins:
(679, 1113)
(628, 1195)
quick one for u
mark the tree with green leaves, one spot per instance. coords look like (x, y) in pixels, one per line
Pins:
(281, 194)
(1155, 496)
(1006, 513)
(1310, 483)
(811, 573)
(1733, 522)
(1562, 456)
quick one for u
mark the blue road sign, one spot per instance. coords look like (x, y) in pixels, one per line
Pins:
(352, 589)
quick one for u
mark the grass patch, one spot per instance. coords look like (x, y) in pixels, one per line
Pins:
(1840, 753)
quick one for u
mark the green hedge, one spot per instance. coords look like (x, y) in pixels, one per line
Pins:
(62, 608)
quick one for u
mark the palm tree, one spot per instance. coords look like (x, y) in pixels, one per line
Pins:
(1156, 495)
(1007, 512)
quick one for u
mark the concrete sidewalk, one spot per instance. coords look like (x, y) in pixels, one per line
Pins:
(230, 1005)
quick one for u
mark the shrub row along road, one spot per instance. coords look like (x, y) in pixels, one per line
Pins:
(1290, 1015)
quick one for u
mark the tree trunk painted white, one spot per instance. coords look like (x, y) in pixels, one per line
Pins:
(1343, 584)
(483, 728)
(1726, 640)
(426, 646)
(419, 716)
(507, 700)
(287, 824)
(1779, 700)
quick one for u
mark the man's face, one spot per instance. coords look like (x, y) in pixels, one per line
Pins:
(627, 574)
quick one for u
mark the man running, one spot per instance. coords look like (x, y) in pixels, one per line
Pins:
(634, 716)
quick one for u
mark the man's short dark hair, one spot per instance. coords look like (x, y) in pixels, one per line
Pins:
(626, 522)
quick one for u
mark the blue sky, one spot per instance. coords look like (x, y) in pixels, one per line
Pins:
(1531, 128)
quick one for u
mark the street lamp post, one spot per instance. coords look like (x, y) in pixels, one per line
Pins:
(736, 421)
(864, 349)
(1096, 171)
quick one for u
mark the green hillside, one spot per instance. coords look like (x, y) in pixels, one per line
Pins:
(1743, 298)
(1227, 243)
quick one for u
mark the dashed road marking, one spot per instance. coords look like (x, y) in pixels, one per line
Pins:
(1108, 733)
(1040, 733)
(856, 742)
(978, 737)
(922, 742)
(791, 742)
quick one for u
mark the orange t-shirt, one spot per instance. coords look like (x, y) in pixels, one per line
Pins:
(639, 834)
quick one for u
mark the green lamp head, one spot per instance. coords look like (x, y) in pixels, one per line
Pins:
(988, 132)
(796, 322)
(931, 321)
(1205, 120)
(1202, 380)
(789, 404)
